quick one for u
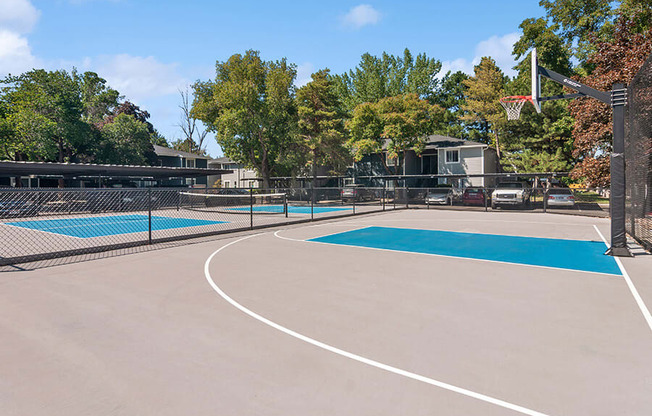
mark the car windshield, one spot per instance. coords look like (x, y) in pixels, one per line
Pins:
(511, 185)
(561, 192)
(473, 191)
(442, 191)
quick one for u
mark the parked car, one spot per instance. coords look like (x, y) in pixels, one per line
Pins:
(356, 193)
(443, 196)
(474, 196)
(516, 194)
(560, 197)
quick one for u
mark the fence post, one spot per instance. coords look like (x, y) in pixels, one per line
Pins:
(545, 200)
(312, 201)
(178, 200)
(149, 214)
(285, 204)
(407, 197)
(484, 197)
(251, 208)
(355, 195)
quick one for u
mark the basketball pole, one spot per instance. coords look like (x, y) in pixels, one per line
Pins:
(616, 99)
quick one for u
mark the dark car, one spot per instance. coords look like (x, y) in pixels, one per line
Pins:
(474, 196)
(356, 193)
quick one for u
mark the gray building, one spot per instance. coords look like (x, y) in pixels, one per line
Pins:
(240, 178)
(179, 159)
(442, 155)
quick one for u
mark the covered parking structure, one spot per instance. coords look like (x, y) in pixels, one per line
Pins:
(80, 175)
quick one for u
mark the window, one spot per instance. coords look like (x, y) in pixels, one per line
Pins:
(453, 156)
(227, 184)
(190, 163)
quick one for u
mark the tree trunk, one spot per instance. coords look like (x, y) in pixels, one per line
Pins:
(497, 145)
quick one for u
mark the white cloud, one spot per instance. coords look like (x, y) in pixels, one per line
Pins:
(360, 16)
(498, 47)
(138, 78)
(15, 54)
(304, 71)
(18, 16)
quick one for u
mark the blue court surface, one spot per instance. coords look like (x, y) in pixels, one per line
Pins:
(278, 209)
(110, 225)
(587, 256)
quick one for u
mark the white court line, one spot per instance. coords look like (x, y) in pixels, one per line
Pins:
(639, 301)
(355, 357)
(43, 231)
(441, 255)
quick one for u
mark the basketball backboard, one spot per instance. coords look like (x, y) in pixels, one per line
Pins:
(536, 81)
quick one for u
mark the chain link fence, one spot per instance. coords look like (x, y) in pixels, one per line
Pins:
(638, 156)
(37, 225)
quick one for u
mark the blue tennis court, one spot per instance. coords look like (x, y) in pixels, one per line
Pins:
(587, 256)
(292, 209)
(109, 225)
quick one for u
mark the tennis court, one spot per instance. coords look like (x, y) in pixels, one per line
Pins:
(410, 312)
(88, 227)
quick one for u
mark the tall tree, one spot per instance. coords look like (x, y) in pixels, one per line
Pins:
(125, 140)
(386, 76)
(614, 61)
(194, 136)
(321, 124)
(250, 106)
(393, 125)
(483, 93)
(44, 109)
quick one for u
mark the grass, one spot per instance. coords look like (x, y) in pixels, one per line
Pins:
(588, 196)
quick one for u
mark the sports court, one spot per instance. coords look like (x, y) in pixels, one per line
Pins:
(414, 312)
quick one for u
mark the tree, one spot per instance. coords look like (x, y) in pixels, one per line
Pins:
(193, 137)
(614, 61)
(393, 125)
(483, 93)
(321, 124)
(125, 141)
(43, 110)
(250, 106)
(530, 161)
(387, 76)
(98, 100)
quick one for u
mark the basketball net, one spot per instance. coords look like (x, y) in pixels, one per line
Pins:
(513, 105)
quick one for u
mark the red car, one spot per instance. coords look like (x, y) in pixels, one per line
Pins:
(473, 196)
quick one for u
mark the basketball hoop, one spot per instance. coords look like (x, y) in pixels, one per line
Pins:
(513, 105)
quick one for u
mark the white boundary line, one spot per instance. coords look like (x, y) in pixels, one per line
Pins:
(441, 255)
(639, 301)
(352, 356)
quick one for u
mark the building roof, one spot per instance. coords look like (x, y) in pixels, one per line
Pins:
(222, 159)
(166, 151)
(9, 168)
(438, 141)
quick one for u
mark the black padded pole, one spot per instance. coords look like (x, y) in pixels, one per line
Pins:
(617, 199)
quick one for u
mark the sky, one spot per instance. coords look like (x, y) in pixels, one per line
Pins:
(149, 50)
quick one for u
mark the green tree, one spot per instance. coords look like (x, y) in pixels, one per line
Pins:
(393, 125)
(482, 104)
(531, 161)
(386, 76)
(250, 106)
(44, 111)
(321, 131)
(125, 141)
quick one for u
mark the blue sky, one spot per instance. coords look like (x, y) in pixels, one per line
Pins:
(149, 49)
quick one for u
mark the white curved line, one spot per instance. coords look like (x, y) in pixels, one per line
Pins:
(356, 357)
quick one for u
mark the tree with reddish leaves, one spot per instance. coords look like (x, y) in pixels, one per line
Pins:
(614, 61)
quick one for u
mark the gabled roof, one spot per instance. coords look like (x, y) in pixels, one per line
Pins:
(437, 141)
(166, 151)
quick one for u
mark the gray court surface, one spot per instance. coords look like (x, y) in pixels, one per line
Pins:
(276, 325)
